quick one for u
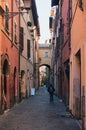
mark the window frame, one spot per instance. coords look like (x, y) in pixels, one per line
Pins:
(46, 54)
(80, 3)
(7, 18)
(15, 32)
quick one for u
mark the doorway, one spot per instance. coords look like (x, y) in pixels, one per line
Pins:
(77, 85)
(5, 82)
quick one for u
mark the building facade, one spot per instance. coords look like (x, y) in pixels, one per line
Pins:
(64, 54)
(8, 55)
(68, 55)
(19, 35)
(45, 62)
(78, 61)
(26, 50)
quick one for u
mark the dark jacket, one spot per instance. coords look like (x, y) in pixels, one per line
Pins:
(51, 89)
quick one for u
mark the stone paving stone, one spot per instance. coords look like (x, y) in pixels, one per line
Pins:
(37, 113)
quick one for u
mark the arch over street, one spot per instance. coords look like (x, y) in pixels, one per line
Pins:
(45, 61)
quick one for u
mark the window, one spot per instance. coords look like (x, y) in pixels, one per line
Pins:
(46, 54)
(15, 35)
(28, 49)
(61, 31)
(81, 5)
(21, 38)
(54, 3)
(50, 22)
(6, 18)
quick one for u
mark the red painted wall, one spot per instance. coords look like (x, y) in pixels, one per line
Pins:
(9, 53)
(65, 52)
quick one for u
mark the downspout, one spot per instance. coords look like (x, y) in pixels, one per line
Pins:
(70, 21)
(0, 80)
(19, 75)
(0, 62)
(12, 23)
(69, 45)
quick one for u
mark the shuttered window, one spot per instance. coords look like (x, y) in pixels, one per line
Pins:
(15, 33)
(7, 18)
(81, 5)
(50, 22)
(21, 38)
(28, 49)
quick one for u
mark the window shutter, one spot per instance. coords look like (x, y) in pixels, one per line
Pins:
(6, 18)
(28, 49)
(21, 38)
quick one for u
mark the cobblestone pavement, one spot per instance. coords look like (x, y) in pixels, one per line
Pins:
(37, 113)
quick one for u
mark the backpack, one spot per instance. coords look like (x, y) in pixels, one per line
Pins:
(50, 89)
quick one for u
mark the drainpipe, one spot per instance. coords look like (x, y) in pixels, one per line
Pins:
(83, 108)
(12, 22)
(0, 67)
(0, 82)
(52, 80)
(34, 64)
(19, 75)
(70, 13)
(34, 75)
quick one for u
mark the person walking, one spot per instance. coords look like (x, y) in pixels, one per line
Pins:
(51, 92)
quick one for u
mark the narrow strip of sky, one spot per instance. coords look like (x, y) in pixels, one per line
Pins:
(43, 9)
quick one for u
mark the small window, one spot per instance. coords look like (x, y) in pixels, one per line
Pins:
(46, 54)
(21, 38)
(15, 33)
(28, 48)
(81, 5)
(7, 18)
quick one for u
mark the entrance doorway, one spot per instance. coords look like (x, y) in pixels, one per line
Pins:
(77, 85)
(5, 82)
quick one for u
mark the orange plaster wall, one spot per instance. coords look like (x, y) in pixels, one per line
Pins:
(78, 42)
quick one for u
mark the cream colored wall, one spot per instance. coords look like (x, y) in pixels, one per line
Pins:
(25, 63)
(45, 60)
(27, 35)
(28, 80)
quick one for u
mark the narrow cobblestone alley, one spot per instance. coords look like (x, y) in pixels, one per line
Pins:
(37, 113)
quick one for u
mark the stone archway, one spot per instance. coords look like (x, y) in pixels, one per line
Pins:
(47, 74)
